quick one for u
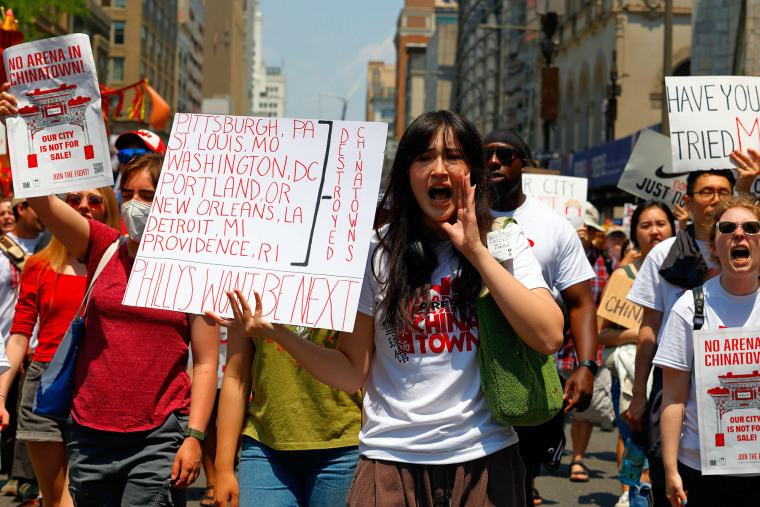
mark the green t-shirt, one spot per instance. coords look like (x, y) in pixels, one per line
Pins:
(290, 409)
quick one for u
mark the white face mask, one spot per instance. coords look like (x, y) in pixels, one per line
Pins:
(135, 216)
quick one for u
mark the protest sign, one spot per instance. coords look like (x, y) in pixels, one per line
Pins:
(57, 140)
(280, 206)
(3, 141)
(726, 363)
(710, 116)
(565, 194)
(648, 173)
(614, 306)
(628, 210)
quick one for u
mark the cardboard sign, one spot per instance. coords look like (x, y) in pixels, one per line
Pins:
(710, 116)
(58, 138)
(727, 373)
(648, 173)
(565, 194)
(615, 307)
(280, 206)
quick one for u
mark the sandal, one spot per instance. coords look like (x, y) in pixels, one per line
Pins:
(537, 500)
(576, 476)
(207, 500)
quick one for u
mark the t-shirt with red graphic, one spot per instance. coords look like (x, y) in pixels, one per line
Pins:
(53, 299)
(676, 348)
(423, 403)
(130, 370)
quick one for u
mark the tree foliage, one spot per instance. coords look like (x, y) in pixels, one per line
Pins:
(27, 12)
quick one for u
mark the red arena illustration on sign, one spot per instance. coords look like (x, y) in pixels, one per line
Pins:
(51, 108)
(735, 392)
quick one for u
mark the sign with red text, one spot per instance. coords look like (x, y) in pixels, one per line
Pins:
(280, 206)
(649, 174)
(57, 140)
(727, 372)
(565, 194)
(710, 116)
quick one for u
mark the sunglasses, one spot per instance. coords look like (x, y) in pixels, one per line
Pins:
(93, 200)
(128, 154)
(504, 154)
(750, 227)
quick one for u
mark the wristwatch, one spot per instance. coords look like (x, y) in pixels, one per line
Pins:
(591, 365)
(200, 435)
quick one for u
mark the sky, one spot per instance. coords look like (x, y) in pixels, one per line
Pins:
(324, 47)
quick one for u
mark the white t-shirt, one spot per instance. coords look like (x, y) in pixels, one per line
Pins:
(9, 279)
(555, 243)
(676, 348)
(423, 403)
(651, 290)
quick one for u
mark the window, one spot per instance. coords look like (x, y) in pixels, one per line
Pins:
(142, 69)
(118, 32)
(120, 3)
(106, 3)
(117, 69)
(143, 37)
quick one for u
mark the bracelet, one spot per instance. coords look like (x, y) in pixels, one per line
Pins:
(200, 435)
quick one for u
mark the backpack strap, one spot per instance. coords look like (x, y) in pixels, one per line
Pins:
(629, 271)
(13, 251)
(699, 307)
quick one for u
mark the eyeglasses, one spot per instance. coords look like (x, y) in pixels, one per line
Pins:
(128, 154)
(707, 193)
(504, 154)
(93, 200)
(750, 227)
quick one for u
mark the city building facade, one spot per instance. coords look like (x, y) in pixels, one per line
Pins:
(190, 19)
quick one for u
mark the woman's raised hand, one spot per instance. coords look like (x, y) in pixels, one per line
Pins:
(464, 233)
(248, 323)
(8, 103)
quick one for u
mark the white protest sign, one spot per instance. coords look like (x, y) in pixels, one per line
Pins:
(648, 173)
(727, 365)
(280, 206)
(3, 140)
(628, 210)
(565, 194)
(58, 138)
(710, 116)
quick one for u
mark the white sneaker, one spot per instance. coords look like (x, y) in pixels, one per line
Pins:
(623, 500)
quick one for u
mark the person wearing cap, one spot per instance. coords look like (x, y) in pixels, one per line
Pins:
(134, 144)
(614, 239)
(565, 269)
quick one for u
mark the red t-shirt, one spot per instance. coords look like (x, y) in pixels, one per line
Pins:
(130, 371)
(41, 286)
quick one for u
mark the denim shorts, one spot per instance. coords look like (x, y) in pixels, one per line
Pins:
(33, 427)
(108, 468)
(317, 477)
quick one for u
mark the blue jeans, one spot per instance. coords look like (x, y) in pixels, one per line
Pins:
(623, 428)
(316, 478)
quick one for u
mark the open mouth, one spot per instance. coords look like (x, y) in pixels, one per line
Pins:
(740, 253)
(439, 194)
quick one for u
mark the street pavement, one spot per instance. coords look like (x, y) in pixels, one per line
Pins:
(556, 489)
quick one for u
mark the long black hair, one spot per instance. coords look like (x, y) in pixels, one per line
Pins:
(407, 241)
(637, 215)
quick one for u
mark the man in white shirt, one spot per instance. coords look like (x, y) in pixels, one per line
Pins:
(24, 237)
(564, 266)
(673, 266)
